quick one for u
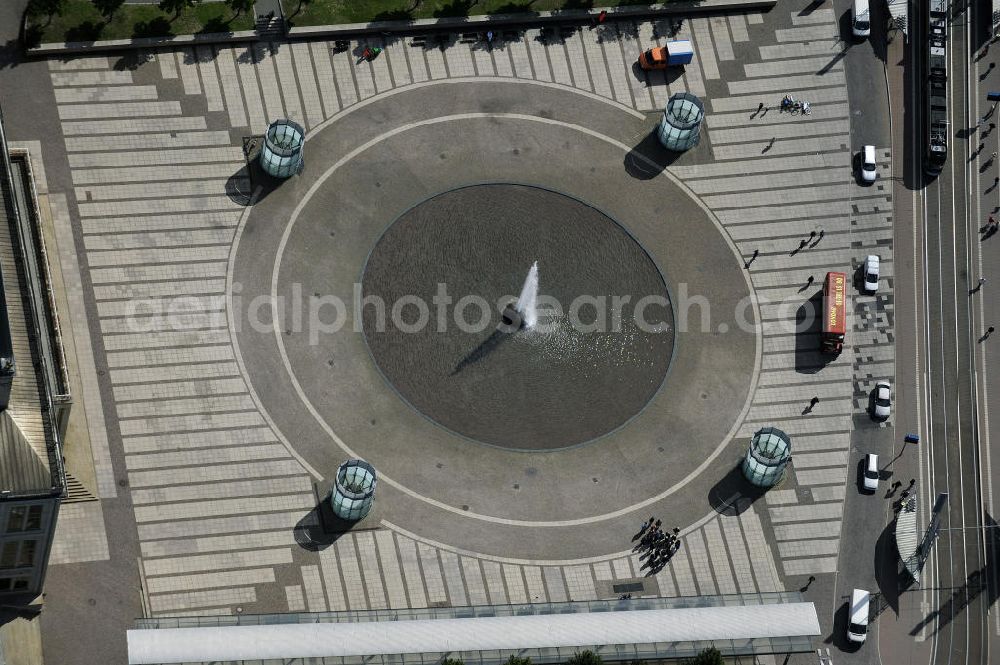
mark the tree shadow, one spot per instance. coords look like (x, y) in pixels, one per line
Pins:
(404, 15)
(157, 27)
(31, 37)
(88, 31)
(649, 158)
(132, 61)
(514, 8)
(216, 26)
(733, 494)
(250, 56)
(455, 9)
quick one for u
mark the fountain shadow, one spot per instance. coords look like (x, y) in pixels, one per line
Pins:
(485, 348)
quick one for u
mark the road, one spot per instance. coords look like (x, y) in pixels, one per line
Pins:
(947, 345)
(942, 378)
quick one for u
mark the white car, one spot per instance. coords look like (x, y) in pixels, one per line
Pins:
(869, 166)
(857, 623)
(871, 273)
(883, 400)
(870, 481)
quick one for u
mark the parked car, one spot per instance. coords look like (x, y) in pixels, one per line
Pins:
(678, 52)
(871, 273)
(883, 400)
(871, 472)
(869, 166)
(861, 21)
(858, 612)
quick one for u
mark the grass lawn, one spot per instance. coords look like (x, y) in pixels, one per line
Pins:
(80, 21)
(322, 12)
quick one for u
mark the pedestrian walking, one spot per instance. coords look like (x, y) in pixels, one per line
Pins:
(982, 280)
(812, 234)
(913, 482)
(760, 107)
(658, 523)
(814, 401)
(989, 331)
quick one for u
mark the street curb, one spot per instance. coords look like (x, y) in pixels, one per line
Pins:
(142, 42)
(685, 7)
(573, 15)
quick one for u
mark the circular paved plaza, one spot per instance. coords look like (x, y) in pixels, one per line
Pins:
(529, 444)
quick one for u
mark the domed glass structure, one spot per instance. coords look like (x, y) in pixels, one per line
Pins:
(281, 154)
(353, 493)
(769, 453)
(680, 127)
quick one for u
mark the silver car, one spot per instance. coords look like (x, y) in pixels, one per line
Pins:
(871, 472)
(883, 400)
(869, 165)
(871, 273)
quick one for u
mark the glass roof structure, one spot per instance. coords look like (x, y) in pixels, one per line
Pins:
(281, 154)
(354, 492)
(640, 629)
(769, 452)
(908, 537)
(680, 127)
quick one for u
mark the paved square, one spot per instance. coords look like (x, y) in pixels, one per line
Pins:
(221, 491)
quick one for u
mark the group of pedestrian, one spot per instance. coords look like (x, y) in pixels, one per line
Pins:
(656, 544)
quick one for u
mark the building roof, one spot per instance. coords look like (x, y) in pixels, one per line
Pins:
(22, 470)
(30, 462)
(651, 628)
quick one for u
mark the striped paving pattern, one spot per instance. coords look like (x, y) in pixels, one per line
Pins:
(157, 223)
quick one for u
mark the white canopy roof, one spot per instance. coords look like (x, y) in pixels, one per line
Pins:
(509, 633)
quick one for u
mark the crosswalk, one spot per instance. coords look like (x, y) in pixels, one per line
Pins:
(219, 498)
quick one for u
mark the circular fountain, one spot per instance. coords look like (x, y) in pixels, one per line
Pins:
(557, 366)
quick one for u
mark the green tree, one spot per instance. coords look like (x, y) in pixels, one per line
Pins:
(452, 661)
(176, 6)
(709, 656)
(47, 8)
(108, 7)
(518, 660)
(587, 657)
(240, 6)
